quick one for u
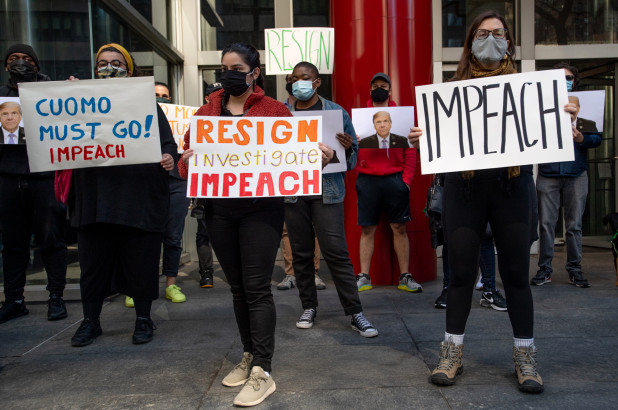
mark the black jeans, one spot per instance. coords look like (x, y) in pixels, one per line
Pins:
(310, 217)
(468, 206)
(28, 205)
(204, 248)
(175, 226)
(245, 234)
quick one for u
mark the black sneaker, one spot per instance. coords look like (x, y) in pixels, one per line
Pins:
(12, 310)
(494, 300)
(542, 277)
(362, 325)
(441, 301)
(56, 309)
(86, 333)
(306, 319)
(576, 278)
(206, 278)
(144, 330)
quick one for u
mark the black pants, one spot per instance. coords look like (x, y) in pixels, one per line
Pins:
(28, 205)
(245, 235)
(117, 258)
(468, 206)
(310, 217)
(204, 248)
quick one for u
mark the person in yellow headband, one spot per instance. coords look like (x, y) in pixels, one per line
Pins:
(114, 61)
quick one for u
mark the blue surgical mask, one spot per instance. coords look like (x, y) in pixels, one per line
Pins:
(569, 85)
(303, 89)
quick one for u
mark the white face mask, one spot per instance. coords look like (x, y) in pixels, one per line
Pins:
(490, 49)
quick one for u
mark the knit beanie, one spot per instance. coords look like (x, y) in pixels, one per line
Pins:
(24, 49)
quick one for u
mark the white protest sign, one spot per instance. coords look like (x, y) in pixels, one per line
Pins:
(591, 113)
(285, 47)
(494, 122)
(332, 123)
(179, 117)
(402, 119)
(239, 157)
(90, 123)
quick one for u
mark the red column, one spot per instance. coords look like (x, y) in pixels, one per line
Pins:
(392, 36)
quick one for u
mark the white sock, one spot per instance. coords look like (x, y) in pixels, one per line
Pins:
(457, 339)
(523, 342)
(267, 373)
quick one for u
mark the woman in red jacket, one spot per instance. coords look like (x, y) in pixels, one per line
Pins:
(245, 232)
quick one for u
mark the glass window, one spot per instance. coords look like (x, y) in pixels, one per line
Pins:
(458, 14)
(311, 13)
(575, 22)
(226, 21)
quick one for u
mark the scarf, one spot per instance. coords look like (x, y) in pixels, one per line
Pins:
(478, 71)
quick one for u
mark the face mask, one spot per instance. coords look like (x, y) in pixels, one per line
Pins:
(235, 82)
(288, 88)
(569, 85)
(489, 50)
(303, 89)
(22, 71)
(379, 95)
(164, 100)
(111, 72)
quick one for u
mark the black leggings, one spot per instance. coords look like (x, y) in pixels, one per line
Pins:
(468, 206)
(245, 234)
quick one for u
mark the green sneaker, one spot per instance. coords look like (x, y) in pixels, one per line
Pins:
(363, 282)
(173, 293)
(128, 302)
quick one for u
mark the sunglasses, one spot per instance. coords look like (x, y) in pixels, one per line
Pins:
(569, 77)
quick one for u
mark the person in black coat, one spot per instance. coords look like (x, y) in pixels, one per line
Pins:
(121, 212)
(27, 202)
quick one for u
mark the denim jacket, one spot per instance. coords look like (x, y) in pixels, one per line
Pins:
(333, 185)
(579, 165)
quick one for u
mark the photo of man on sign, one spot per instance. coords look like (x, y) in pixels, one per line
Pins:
(10, 119)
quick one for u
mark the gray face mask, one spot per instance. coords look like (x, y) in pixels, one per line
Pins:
(489, 50)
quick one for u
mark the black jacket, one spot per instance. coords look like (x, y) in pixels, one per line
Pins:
(136, 196)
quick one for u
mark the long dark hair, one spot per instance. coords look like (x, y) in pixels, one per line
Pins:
(464, 68)
(571, 68)
(249, 55)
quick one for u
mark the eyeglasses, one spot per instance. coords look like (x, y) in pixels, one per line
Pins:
(569, 77)
(113, 63)
(481, 34)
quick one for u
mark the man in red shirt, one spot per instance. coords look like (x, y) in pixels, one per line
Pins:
(383, 185)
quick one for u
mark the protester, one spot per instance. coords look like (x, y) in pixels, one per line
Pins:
(322, 215)
(27, 201)
(121, 213)
(245, 232)
(502, 197)
(566, 184)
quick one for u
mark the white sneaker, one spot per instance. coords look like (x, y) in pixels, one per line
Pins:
(287, 283)
(258, 387)
(319, 283)
(363, 282)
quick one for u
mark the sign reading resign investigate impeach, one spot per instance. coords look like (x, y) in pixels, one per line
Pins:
(494, 122)
(89, 123)
(285, 47)
(255, 157)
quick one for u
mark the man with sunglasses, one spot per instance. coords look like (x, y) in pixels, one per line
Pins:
(569, 181)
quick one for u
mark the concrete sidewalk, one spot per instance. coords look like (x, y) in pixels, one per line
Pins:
(327, 367)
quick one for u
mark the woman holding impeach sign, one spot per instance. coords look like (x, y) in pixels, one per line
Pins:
(245, 232)
(504, 197)
(121, 212)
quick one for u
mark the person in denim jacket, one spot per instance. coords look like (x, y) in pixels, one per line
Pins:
(323, 216)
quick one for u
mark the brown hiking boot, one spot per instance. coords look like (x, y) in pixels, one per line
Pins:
(450, 364)
(528, 380)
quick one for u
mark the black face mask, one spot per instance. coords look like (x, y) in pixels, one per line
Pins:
(22, 71)
(288, 88)
(379, 95)
(234, 82)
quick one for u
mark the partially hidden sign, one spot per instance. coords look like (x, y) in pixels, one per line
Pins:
(494, 122)
(285, 47)
(255, 157)
(179, 117)
(89, 123)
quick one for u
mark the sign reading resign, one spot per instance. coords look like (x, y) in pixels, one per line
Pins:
(89, 123)
(255, 157)
(179, 117)
(494, 122)
(285, 47)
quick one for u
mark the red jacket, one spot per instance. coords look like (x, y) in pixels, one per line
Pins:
(374, 161)
(257, 105)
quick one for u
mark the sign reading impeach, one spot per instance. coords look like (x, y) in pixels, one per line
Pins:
(255, 157)
(494, 122)
(89, 123)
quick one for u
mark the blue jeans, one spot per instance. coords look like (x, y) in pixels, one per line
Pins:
(172, 241)
(574, 191)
